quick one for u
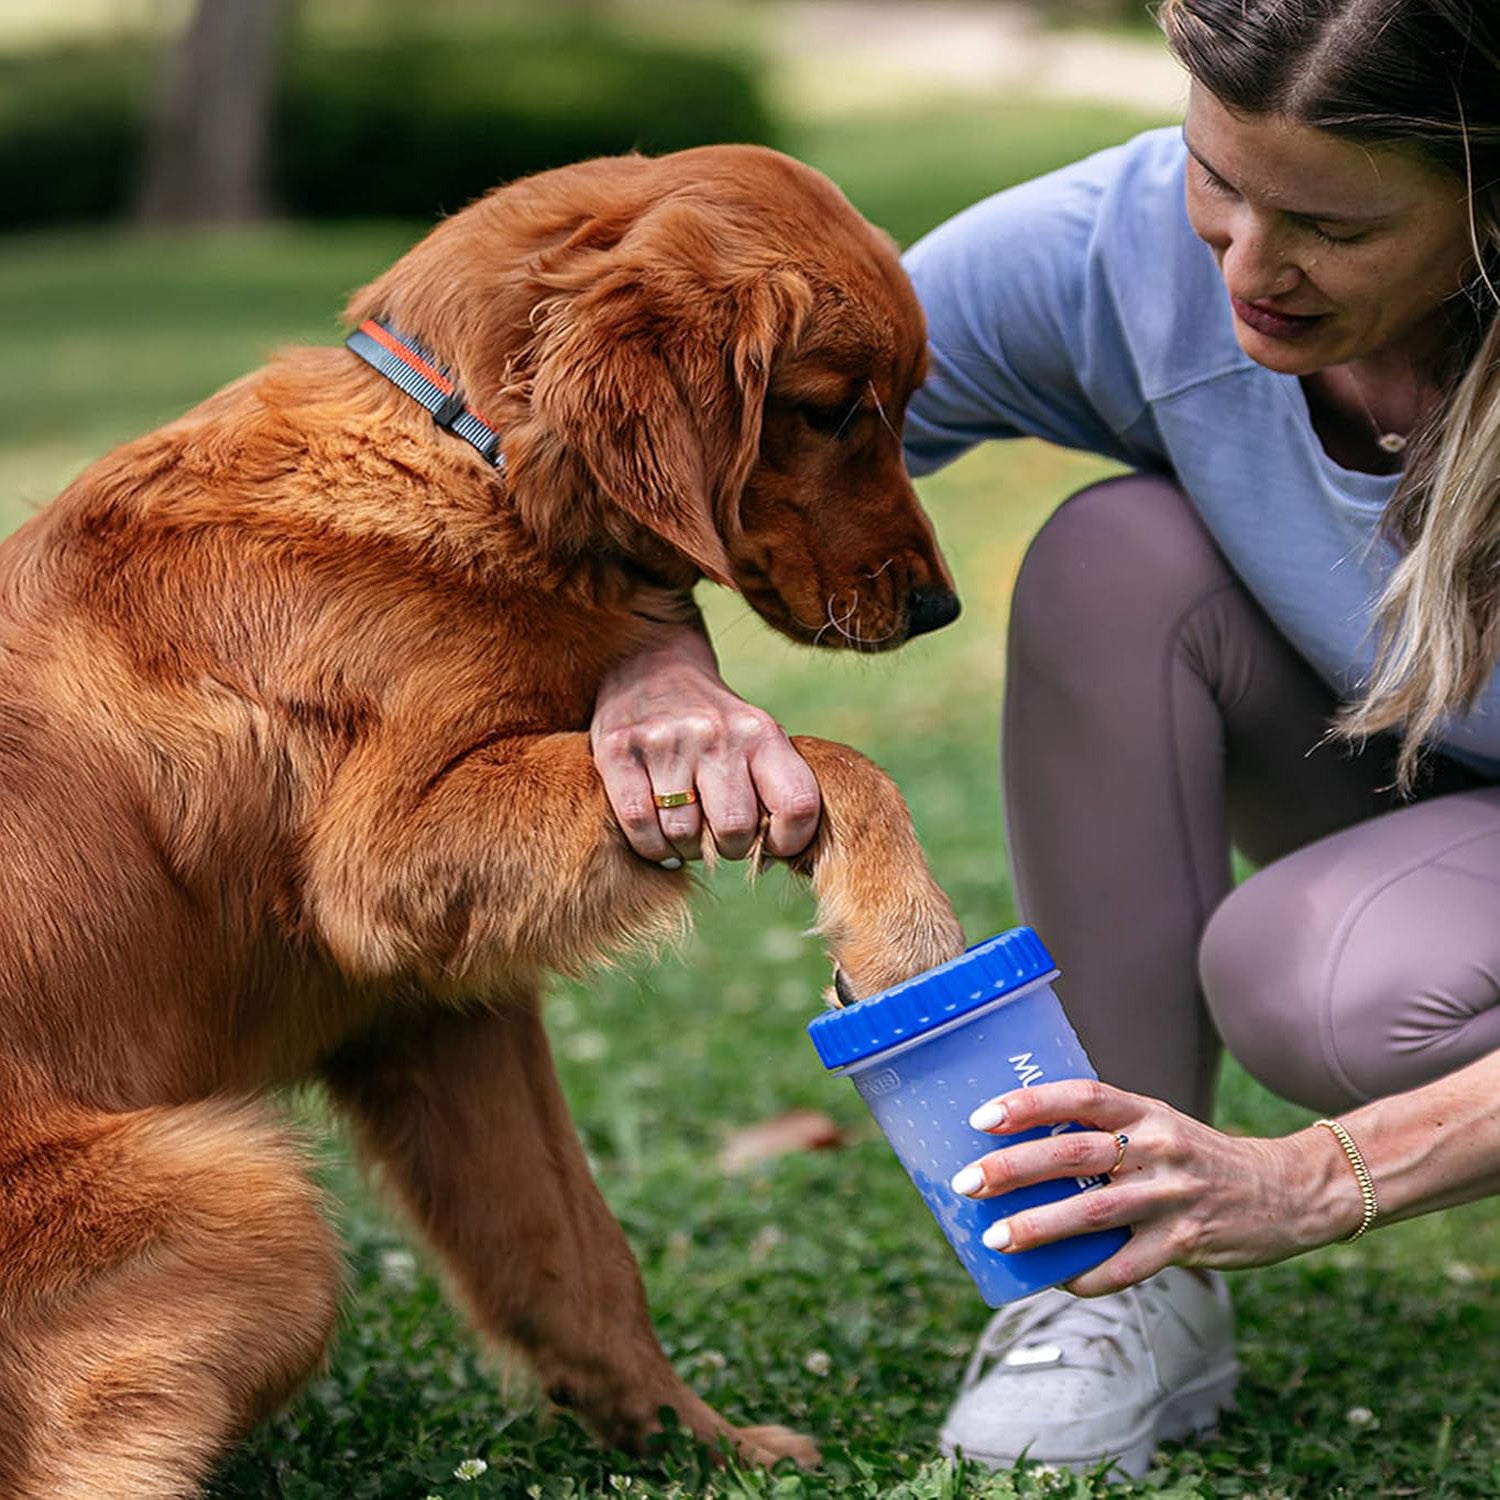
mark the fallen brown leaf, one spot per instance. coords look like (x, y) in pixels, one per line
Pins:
(796, 1130)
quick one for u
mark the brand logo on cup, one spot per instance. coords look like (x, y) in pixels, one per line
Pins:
(886, 1081)
(1024, 1069)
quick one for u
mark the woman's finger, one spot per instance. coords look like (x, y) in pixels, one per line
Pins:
(788, 790)
(1111, 1207)
(1082, 1101)
(1073, 1153)
(1144, 1254)
(731, 811)
(678, 814)
(649, 772)
(628, 788)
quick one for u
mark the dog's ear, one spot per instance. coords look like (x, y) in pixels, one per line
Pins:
(769, 313)
(653, 373)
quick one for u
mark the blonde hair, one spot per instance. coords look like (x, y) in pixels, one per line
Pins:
(1421, 76)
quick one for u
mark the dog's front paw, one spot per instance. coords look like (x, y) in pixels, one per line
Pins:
(769, 1445)
(898, 945)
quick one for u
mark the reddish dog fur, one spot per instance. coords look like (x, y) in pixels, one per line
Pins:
(296, 784)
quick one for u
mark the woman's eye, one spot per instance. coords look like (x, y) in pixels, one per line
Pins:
(1319, 233)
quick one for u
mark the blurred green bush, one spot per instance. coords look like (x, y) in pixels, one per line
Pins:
(403, 126)
(72, 125)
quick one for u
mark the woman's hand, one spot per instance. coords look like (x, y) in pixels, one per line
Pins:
(665, 722)
(1191, 1195)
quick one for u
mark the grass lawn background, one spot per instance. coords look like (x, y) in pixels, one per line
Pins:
(816, 1291)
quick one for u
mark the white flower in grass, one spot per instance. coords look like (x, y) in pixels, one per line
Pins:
(782, 944)
(818, 1363)
(398, 1268)
(470, 1468)
(1362, 1417)
(586, 1046)
(768, 1239)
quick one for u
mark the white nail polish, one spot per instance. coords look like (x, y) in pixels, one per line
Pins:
(997, 1236)
(671, 863)
(988, 1116)
(966, 1181)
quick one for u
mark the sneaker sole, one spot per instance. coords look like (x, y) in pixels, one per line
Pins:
(1192, 1411)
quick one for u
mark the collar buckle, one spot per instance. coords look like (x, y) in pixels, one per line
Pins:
(449, 409)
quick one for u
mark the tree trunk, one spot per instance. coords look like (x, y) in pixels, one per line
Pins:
(207, 153)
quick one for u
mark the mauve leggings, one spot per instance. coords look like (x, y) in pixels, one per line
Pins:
(1152, 715)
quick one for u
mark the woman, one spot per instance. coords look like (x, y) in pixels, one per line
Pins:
(1282, 320)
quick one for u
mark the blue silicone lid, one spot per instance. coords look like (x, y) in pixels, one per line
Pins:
(985, 972)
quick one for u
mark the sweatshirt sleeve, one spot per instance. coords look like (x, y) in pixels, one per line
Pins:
(1025, 335)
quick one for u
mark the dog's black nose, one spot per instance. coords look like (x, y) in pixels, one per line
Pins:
(930, 609)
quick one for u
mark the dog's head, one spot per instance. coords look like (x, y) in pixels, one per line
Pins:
(701, 361)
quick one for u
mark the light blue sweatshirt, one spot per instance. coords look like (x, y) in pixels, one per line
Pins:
(1081, 308)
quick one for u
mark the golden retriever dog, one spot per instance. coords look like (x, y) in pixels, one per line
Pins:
(295, 783)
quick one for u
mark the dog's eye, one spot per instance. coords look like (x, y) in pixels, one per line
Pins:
(829, 421)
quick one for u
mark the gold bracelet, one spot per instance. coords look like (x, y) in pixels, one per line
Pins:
(1361, 1176)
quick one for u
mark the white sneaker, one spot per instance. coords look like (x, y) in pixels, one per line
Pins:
(1072, 1381)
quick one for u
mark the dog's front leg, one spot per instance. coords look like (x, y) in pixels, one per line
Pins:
(510, 860)
(504, 859)
(465, 1118)
(881, 913)
(470, 883)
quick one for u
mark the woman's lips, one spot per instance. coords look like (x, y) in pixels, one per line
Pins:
(1276, 325)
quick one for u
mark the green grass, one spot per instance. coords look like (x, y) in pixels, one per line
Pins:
(815, 1291)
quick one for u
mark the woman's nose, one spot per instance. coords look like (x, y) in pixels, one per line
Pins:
(1254, 264)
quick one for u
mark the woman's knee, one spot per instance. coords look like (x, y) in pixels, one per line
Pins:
(1331, 997)
(1116, 562)
(1262, 964)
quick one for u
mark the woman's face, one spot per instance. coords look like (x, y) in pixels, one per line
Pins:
(1331, 251)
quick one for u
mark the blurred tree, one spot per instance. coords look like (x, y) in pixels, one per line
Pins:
(207, 150)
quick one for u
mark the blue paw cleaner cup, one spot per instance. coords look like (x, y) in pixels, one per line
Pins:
(925, 1054)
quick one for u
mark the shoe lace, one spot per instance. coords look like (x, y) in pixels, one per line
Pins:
(1089, 1332)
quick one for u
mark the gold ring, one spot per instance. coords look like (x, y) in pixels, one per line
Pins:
(675, 799)
(1121, 1142)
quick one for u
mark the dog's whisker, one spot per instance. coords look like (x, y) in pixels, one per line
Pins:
(830, 624)
(833, 623)
(880, 407)
(848, 626)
